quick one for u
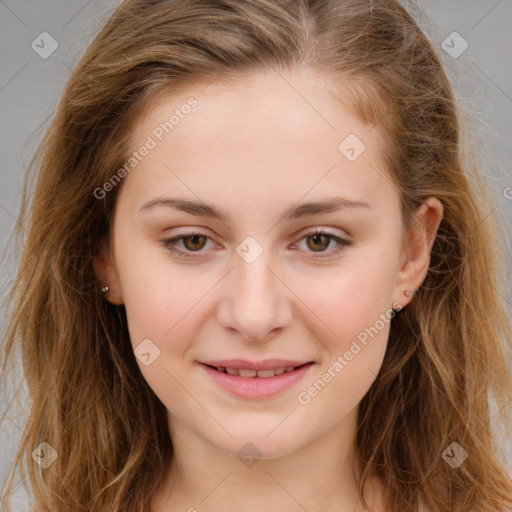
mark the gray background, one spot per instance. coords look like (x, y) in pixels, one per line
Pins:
(30, 87)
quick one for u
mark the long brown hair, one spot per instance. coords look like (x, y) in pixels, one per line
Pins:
(447, 350)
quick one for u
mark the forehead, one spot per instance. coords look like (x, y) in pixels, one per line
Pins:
(267, 135)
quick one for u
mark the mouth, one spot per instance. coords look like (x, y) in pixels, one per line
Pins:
(257, 374)
(252, 384)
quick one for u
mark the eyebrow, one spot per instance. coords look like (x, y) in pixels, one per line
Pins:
(202, 209)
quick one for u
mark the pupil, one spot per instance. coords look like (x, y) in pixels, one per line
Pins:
(194, 238)
(316, 237)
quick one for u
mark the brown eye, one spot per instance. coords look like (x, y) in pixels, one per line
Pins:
(317, 242)
(190, 243)
(320, 241)
(197, 242)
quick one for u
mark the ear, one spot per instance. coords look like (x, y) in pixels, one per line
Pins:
(418, 246)
(106, 272)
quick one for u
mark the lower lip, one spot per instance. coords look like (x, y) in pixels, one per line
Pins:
(255, 387)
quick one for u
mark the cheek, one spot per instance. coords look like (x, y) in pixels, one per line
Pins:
(356, 313)
(353, 299)
(155, 294)
(161, 313)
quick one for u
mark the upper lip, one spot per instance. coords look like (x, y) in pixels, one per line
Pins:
(244, 364)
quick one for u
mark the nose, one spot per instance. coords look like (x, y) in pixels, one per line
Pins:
(255, 300)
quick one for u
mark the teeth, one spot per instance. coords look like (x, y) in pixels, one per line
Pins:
(247, 373)
(261, 374)
(265, 374)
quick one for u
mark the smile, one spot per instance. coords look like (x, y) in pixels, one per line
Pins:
(256, 384)
(261, 374)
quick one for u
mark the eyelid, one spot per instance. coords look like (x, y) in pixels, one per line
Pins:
(170, 245)
(341, 242)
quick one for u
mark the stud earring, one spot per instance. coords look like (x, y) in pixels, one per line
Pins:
(104, 290)
(409, 293)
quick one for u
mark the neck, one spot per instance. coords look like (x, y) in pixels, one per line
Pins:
(317, 476)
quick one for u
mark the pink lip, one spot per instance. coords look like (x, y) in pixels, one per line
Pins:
(244, 364)
(254, 387)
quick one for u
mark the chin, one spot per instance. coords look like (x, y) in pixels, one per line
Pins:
(251, 447)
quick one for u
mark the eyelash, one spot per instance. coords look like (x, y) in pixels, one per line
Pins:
(169, 244)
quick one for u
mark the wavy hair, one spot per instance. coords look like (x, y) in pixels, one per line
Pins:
(447, 351)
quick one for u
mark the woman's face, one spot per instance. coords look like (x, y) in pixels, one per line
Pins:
(256, 284)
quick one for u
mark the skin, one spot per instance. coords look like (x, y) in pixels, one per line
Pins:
(255, 148)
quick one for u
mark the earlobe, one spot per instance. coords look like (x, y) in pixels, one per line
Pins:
(418, 247)
(108, 279)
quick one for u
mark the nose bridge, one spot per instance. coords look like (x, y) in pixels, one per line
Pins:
(255, 298)
(253, 275)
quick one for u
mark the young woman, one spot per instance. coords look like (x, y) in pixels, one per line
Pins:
(258, 271)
